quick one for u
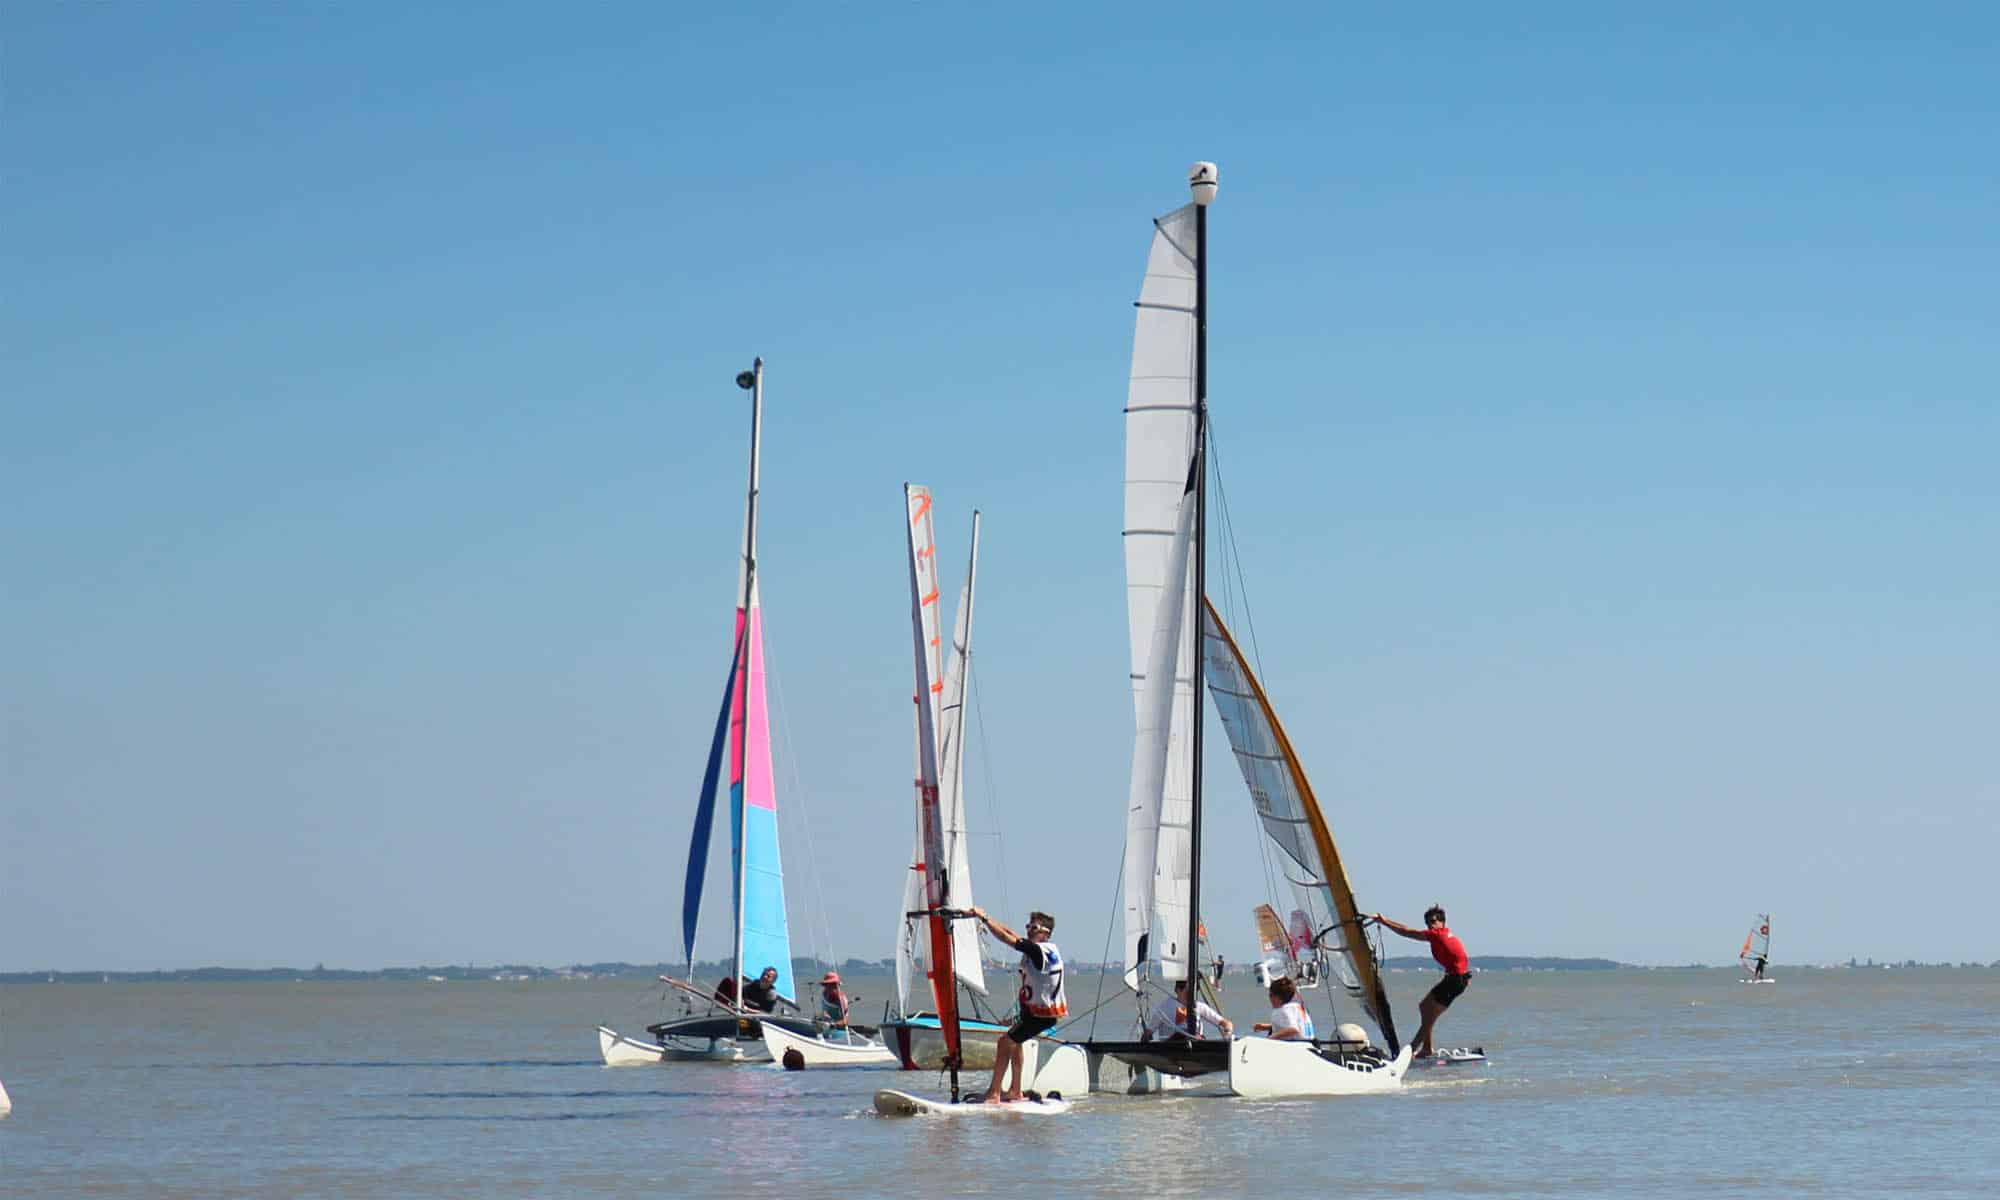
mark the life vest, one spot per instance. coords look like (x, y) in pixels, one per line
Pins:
(1042, 987)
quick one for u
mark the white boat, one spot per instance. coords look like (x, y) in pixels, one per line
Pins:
(1165, 573)
(709, 1028)
(1268, 1069)
(819, 1051)
(6, 1101)
(1756, 953)
(937, 861)
(1169, 613)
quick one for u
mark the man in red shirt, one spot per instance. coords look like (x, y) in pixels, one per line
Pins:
(1450, 953)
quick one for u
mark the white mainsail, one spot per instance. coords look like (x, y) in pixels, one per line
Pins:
(1159, 601)
(950, 726)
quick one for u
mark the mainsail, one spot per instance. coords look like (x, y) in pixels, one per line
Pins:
(1291, 818)
(1159, 598)
(911, 960)
(930, 816)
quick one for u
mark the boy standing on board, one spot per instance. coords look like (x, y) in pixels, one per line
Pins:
(1043, 1001)
(1451, 955)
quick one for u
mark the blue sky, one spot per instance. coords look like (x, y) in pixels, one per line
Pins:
(1605, 407)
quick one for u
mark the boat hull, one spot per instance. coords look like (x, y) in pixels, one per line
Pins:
(819, 1052)
(1268, 1069)
(919, 1044)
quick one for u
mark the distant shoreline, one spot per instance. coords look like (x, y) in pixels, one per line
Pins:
(804, 969)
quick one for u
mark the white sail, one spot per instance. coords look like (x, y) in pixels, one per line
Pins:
(1160, 809)
(1159, 445)
(965, 955)
(947, 705)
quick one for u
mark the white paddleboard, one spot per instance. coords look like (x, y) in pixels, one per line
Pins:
(892, 1103)
(1453, 1056)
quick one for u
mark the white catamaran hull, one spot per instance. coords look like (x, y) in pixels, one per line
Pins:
(621, 1051)
(819, 1052)
(1267, 1069)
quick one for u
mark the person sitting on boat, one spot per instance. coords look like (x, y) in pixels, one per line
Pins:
(833, 1007)
(1043, 1000)
(1450, 954)
(1169, 1018)
(1289, 1019)
(725, 993)
(762, 995)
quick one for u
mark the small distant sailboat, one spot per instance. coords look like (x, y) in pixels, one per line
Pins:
(1756, 953)
(715, 1028)
(6, 1102)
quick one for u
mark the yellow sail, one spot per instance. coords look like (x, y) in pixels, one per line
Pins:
(1286, 807)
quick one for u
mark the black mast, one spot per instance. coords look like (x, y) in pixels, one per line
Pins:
(1202, 181)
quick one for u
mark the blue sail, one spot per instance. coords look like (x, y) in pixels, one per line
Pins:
(704, 812)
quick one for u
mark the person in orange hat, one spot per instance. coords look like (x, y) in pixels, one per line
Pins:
(833, 1007)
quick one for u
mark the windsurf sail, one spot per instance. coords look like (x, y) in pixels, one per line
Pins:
(1293, 821)
(924, 626)
(911, 958)
(1756, 952)
(1160, 450)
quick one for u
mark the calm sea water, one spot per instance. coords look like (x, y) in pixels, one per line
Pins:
(1628, 1083)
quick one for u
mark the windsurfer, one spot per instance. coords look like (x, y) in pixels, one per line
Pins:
(1450, 954)
(1169, 1018)
(1043, 1000)
(1761, 960)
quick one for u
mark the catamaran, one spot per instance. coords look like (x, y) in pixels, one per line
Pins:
(937, 860)
(1756, 953)
(714, 1026)
(1166, 423)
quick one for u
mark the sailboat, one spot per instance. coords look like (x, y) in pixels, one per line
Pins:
(1756, 952)
(939, 919)
(714, 1027)
(6, 1101)
(1166, 588)
(1327, 925)
(916, 1034)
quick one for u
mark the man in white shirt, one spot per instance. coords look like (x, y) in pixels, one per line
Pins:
(1169, 1018)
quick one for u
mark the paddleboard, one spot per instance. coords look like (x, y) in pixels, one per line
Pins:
(892, 1103)
(1453, 1056)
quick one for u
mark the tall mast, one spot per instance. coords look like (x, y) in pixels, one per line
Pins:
(1202, 182)
(753, 382)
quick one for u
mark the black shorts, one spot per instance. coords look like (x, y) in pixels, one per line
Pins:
(1028, 1025)
(1448, 989)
